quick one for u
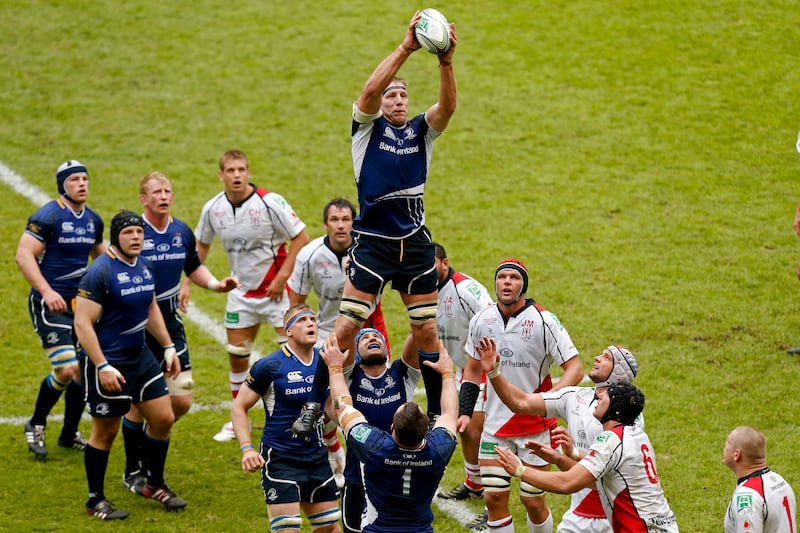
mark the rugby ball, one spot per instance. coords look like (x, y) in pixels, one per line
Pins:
(433, 31)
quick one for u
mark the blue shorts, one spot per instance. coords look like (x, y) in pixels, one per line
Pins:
(144, 380)
(410, 264)
(54, 329)
(354, 503)
(287, 478)
(178, 336)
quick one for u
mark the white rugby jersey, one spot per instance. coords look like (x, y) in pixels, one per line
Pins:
(763, 502)
(575, 405)
(254, 235)
(529, 344)
(623, 462)
(322, 270)
(460, 297)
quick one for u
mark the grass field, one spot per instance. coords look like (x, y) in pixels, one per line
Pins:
(637, 156)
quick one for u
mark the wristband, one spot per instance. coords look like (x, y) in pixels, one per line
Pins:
(333, 370)
(407, 49)
(102, 365)
(520, 470)
(494, 372)
(448, 375)
(576, 454)
(213, 284)
(248, 446)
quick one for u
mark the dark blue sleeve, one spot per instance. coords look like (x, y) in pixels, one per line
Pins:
(96, 282)
(192, 262)
(262, 373)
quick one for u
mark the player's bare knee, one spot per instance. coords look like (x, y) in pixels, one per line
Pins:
(181, 405)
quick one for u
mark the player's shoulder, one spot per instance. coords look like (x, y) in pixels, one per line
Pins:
(314, 248)
(215, 200)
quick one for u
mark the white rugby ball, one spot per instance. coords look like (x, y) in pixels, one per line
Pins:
(433, 31)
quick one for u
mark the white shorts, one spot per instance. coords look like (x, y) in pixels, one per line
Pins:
(480, 401)
(515, 444)
(572, 523)
(244, 312)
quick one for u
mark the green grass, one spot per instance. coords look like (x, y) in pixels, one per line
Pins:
(637, 156)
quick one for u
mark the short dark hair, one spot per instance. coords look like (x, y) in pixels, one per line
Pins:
(341, 203)
(410, 425)
(439, 251)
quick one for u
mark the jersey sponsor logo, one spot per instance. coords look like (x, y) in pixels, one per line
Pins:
(148, 245)
(506, 352)
(67, 227)
(602, 437)
(35, 228)
(80, 231)
(123, 277)
(361, 432)
(137, 289)
(368, 400)
(297, 390)
(294, 376)
(84, 293)
(163, 247)
(743, 503)
(557, 320)
(398, 151)
(488, 448)
(231, 318)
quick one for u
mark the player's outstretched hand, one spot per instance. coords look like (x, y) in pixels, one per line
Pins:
(410, 42)
(444, 364)
(487, 349)
(510, 462)
(331, 353)
(545, 451)
(559, 436)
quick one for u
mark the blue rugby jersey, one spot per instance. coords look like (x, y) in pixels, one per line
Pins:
(391, 167)
(68, 240)
(284, 382)
(171, 252)
(400, 483)
(125, 290)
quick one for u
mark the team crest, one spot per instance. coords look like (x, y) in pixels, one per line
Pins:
(177, 240)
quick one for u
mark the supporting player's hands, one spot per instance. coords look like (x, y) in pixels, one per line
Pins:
(54, 302)
(410, 42)
(110, 378)
(251, 461)
(559, 436)
(444, 364)
(331, 353)
(545, 451)
(510, 462)
(487, 350)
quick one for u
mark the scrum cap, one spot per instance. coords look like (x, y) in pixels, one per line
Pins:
(67, 169)
(625, 403)
(122, 220)
(360, 334)
(514, 264)
(625, 366)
